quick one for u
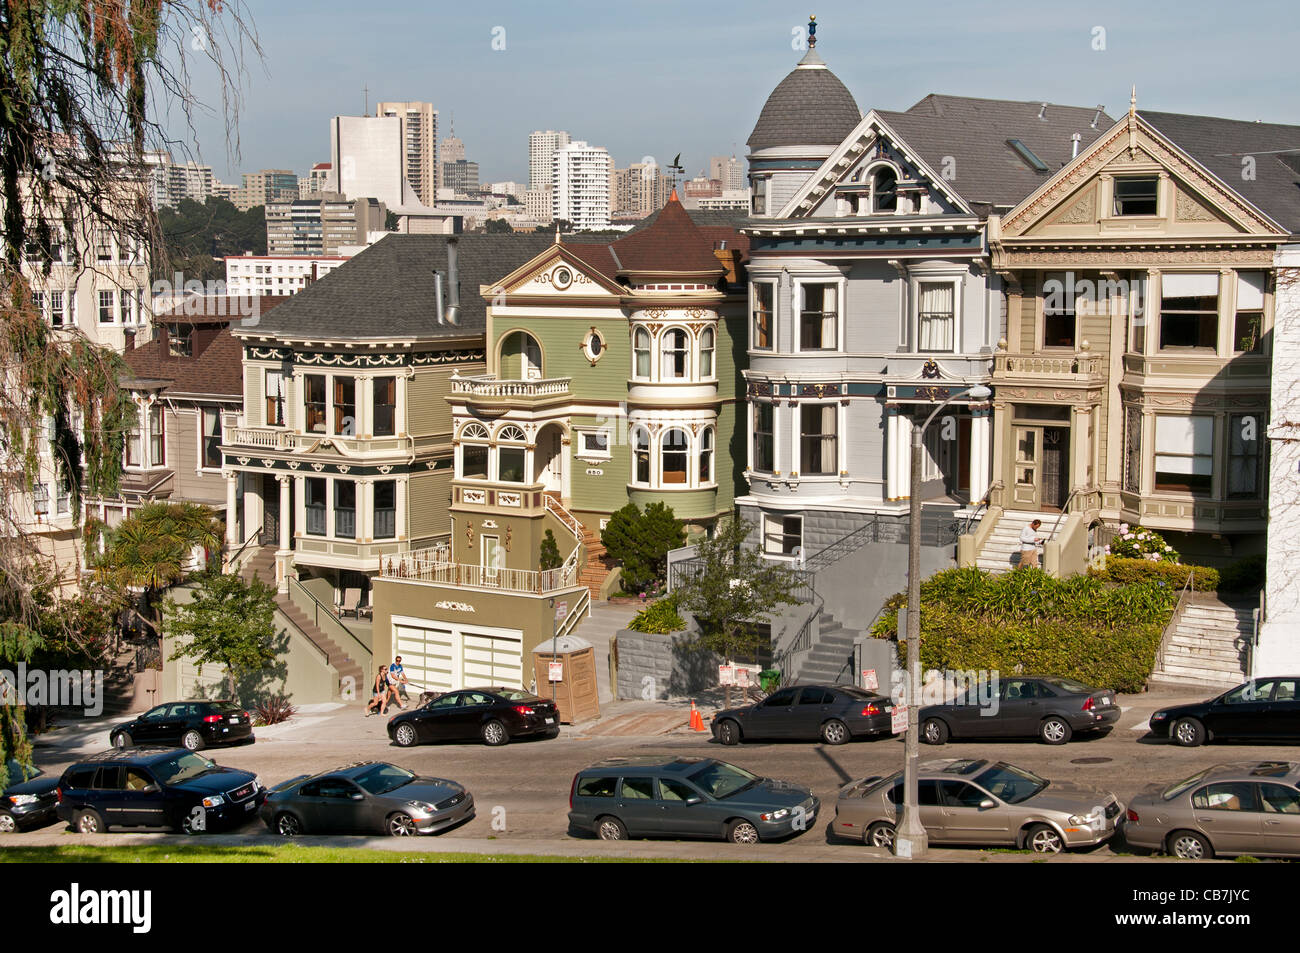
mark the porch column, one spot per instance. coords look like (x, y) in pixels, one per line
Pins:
(1080, 446)
(1000, 471)
(891, 452)
(565, 464)
(286, 542)
(981, 440)
(232, 510)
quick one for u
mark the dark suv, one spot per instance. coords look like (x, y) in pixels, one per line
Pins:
(168, 788)
(191, 724)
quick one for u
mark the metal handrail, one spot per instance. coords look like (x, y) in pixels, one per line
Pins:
(1064, 509)
(843, 546)
(257, 535)
(329, 611)
(981, 504)
(558, 510)
(1167, 635)
(802, 641)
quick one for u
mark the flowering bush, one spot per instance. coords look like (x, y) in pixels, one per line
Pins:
(1138, 542)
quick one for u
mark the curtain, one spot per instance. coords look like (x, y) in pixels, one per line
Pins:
(936, 317)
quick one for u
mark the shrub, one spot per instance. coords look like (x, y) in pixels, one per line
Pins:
(659, 617)
(549, 556)
(1125, 572)
(640, 543)
(1138, 542)
(272, 711)
(1245, 575)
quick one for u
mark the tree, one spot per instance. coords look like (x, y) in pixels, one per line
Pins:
(640, 543)
(229, 623)
(390, 221)
(549, 557)
(198, 235)
(497, 226)
(733, 591)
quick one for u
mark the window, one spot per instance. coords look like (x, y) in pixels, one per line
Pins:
(474, 461)
(641, 353)
(1137, 195)
(211, 436)
(1279, 799)
(637, 789)
(817, 444)
(1247, 332)
(314, 397)
(763, 446)
(597, 787)
(345, 509)
(673, 455)
(760, 336)
(1059, 325)
(816, 696)
(57, 316)
(640, 455)
(63, 499)
(1245, 450)
(817, 317)
(41, 500)
(274, 399)
(593, 346)
(760, 194)
(38, 302)
(104, 251)
(1227, 796)
(1184, 458)
(706, 353)
(706, 456)
(385, 509)
(385, 400)
(782, 535)
(157, 437)
(1189, 311)
(961, 794)
(345, 406)
(670, 790)
(510, 464)
(935, 316)
(884, 191)
(676, 351)
(133, 448)
(107, 307)
(180, 340)
(1132, 449)
(593, 444)
(314, 503)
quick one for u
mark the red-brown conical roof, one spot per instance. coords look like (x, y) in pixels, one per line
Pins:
(670, 244)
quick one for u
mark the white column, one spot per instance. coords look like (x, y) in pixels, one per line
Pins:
(981, 432)
(232, 514)
(903, 461)
(285, 516)
(891, 454)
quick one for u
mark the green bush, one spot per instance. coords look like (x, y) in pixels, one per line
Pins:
(1027, 622)
(1245, 575)
(659, 617)
(640, 543)
(1138, 542)
(1125, 572)
(548, 556)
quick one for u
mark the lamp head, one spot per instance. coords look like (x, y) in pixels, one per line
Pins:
(979, 392)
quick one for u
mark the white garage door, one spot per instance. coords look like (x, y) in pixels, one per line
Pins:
(440, 656)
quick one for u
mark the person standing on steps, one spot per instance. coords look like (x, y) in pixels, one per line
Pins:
(1029, 540)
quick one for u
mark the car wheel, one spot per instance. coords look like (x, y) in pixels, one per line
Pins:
(880, 834)
(610, 828)
(192, 740)
(405, 735)
(89, 822)
(835, 732)
(494, 733)
(1188, 845)
(1055, 731)
(7, 825)
(1044, 839)
(742, 832)
(402, 825)
(934, 731)
(1188, 732)
(121, 740)
(729, 732)
(287, 825)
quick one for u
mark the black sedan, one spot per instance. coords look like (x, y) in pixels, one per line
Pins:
(191, 724)
(366, 798)
(154, 787)
(29, 801)
(1264, 709)
(1053, 709)
(833, 714)
(492, 715)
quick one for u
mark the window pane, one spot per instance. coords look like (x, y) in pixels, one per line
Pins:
(706, 353)
(510, 464)
(817, 317)
(817, 443)
(385, 509)
(315, 402)
(345, 406)
(673, 453)
(762, 331)
(274, 399)
(474, 461)
(936, 316)
(345, 509)
(1136, 196)
(211, 439)
(1245, 448)
(763, 438)
(1184, 458)
(314, 502)
(385, 392)
(641, 455)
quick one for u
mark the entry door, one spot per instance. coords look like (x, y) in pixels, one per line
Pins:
(270, 511)
(1056, 463)
(490, 556)
(552, 477)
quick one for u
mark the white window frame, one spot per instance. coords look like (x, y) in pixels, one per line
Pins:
(915, 281)
(651, 455)
(753, 432)
(650, 354)
(796, 311)
(713, 355)
(689, 363)
(583, 452)
(220, 438)
(772, 314)
(764, 533)
(657, 472)
(797, 455)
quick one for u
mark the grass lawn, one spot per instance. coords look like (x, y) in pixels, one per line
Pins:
(277, 854)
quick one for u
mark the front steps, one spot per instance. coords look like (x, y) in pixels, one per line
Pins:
(1207, 646)
(830, 661)
(1001, 550)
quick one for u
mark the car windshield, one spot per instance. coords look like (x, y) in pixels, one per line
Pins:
(869, 786)
(722, 780)
(1010, 783)
(518, 695)
(382, 778)
(19, 774)
(1179, 787)
(182, 768)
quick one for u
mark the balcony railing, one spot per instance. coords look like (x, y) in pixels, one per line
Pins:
(1080, 365)
(432, 565)
(488, 386)
(271, 438)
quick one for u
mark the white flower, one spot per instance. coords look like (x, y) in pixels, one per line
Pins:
(1123, 527)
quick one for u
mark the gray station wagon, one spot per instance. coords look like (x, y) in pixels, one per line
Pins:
(686, 797)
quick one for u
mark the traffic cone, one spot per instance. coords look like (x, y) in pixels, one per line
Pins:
(697, 720)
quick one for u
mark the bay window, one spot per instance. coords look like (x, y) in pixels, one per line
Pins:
(1189, 311)
(474, 461)
(314, 503)
(763, 446)
(674, 453)
(1245, 452)
(641, 354)
(936, 316)
(384, 390)
(706, 456)
(760, 337)
(385, 509)
(345, 509)
(641, 456)
(1184, 458)
(345, 406)
(818, 317)
(210, 435)
(314, 399)
(676, 350)
(706, 353)
(1247, 333)
(133, 450)
(818, 446)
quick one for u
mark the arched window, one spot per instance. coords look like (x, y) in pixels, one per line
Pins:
(521, 357)
(884, 187)
(513, 433)
(676, 349)
(473, 432)
(510, 460)
(640, 455)
(706, 353)
(641, 353)
(706, 456)
(674, 453)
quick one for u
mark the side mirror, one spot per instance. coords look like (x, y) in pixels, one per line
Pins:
(988, 803)
(694, 800)
(152, 789)
(357, 796)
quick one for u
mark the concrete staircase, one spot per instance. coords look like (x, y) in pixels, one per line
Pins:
(1207, 645)
(260, 562)
(1001, 550)
(339, 660)
(831, 659)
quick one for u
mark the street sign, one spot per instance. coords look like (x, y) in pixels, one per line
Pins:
(556, 671)
(726, 675)
(742, 677)
(561, 610)
(869, 680)
(898, 719)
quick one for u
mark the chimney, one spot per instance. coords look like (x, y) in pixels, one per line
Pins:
(453, 283)
(1074, 145)
(730, 259)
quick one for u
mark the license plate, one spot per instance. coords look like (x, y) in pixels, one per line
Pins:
(234, 720)
(550, 721)
(1105, 699)
(250, 805)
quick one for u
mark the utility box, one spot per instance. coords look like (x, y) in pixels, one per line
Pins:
(575, 690)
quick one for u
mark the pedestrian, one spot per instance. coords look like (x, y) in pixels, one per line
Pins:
(1029, 540)
(397, 678)
(382, 691)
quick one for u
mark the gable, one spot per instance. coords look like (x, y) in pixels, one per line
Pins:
(557, 273)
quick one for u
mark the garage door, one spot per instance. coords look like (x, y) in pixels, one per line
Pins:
(441, 657)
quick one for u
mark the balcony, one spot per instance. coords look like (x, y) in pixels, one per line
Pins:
(1082, 367)
(275, 438)
(488, 391)
(432, 566)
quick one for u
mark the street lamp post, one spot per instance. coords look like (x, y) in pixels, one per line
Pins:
(910, 840)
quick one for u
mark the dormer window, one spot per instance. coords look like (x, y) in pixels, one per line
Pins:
(180, 340)
(884, 191)
(1137, 195)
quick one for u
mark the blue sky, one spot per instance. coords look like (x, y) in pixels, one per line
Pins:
(666, 77)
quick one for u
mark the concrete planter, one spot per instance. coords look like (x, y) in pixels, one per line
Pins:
(654, 667)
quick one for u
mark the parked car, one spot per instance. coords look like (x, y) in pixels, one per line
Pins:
(29, 801)
(686, 797)
(980, 802)
(191, 724)
(1250, 808)
(1263, 709)
(370, 797)
(1053, 709)
(156, 787)
(831, 713)
(492, 715)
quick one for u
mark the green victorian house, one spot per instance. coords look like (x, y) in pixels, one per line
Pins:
(612, 376)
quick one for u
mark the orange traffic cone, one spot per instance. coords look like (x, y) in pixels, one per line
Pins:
(697, 720)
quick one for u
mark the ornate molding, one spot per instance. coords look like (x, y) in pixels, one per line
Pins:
(1187, 209)
(1129, 257)
(1081, 212)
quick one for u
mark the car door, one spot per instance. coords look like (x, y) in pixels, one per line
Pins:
(1017, 709)
(148, 727)
(1228, 812)
(436, 721)
(1280, 817)
(108, 796)
(640, 810)
(773, 716)
(465, 721)
(340, 805)
(967, 819)
(174, 723)
(811, 709)
(1242, 712)
(1284, 710)
(141, 799)
(682, 817)
(929, 804)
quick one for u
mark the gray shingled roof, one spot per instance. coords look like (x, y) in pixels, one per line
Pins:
(974, 132)
(1221, 144)
(810, 107)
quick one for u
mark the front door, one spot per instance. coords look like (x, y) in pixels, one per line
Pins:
(270, 510)
(1042, 467)
(1056, 463)
(491, 558)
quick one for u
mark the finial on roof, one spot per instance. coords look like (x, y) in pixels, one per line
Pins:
(1133, 101)
(673, 197)
(812, 31)
(557, 231)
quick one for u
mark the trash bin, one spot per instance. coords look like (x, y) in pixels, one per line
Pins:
(769, 678)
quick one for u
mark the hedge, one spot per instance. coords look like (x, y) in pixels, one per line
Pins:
(659, 617)
(1125, 572)
(1245, 575)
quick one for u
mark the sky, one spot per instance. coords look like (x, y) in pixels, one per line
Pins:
(657, 79)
